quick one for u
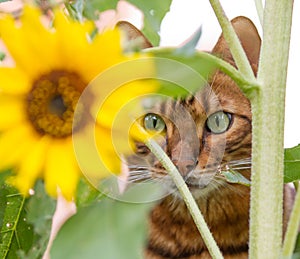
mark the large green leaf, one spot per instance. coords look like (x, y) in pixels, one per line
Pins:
(109, 229)
(154, 11)
(292, 164)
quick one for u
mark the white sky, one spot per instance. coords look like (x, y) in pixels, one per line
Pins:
(186, 16)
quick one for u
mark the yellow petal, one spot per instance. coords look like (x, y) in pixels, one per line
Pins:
(31, 166)
(105, 51)
(108, 152)
(42, 42)
(61, 170)
(13, 81)
(14, 144)
(73, 44)
(139, 133)
(31, 44)
(122, 97)
(12, 111)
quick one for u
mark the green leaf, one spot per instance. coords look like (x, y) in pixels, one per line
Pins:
(40, 209)
(292, 164)
(75, 9)
(92, 8)
(189, 47)
(154, 11)
(2, 54)
(183, 73)
(109, 229)
(2, 1)
(16, 233)
(235, 177)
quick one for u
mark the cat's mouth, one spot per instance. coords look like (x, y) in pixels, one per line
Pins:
(200, 182)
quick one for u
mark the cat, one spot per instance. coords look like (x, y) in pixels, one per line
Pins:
(203, 134)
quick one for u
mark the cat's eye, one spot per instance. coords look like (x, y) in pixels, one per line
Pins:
(218, 122)
(154, 123)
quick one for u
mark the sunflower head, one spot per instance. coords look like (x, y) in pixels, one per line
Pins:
(39, 95)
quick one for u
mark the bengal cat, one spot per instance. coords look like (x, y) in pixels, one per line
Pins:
(203, 133)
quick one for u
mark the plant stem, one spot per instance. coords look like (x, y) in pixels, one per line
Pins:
(245, 84)
(260, 10)
(268, 124)
(188, 198)
(233, 42)
(292, 230)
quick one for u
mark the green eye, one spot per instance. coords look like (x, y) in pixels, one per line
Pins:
(153, 122)
(218, 122)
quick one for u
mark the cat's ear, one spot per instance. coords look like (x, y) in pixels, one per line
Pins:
(249, 38)
(133, 35)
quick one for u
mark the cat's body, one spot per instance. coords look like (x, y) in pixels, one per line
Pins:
(199, 153)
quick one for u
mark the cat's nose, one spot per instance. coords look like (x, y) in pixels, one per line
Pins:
(185, 166)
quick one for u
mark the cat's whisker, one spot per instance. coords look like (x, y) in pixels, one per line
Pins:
(239, 162)
(137, 167)
(240, 168)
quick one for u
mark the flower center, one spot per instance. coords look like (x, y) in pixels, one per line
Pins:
(52, 101)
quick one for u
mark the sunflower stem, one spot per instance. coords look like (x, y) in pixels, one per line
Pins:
(292, 230)
(233, 42)
(267, 137)
(188, 198)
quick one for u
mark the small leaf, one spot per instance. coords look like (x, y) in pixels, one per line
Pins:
(182, 74)
(296, 254)
(2, 54)
(2, 1)
(108, 229)
(92, 8)
(189, 47)
(292, 164)
(154, 11)
(235, 177)
(75, 9)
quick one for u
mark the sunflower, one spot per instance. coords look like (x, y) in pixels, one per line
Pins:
(38, 97)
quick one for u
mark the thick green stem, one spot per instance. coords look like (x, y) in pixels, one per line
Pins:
(292, 230)
(188, 198)
(268, 124)
(233, 42)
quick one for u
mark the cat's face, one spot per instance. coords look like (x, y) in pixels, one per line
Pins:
(201, 135)
(204, 133)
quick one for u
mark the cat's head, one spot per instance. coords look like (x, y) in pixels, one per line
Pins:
(204, 133)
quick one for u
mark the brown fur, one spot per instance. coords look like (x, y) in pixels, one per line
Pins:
(225, 207)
